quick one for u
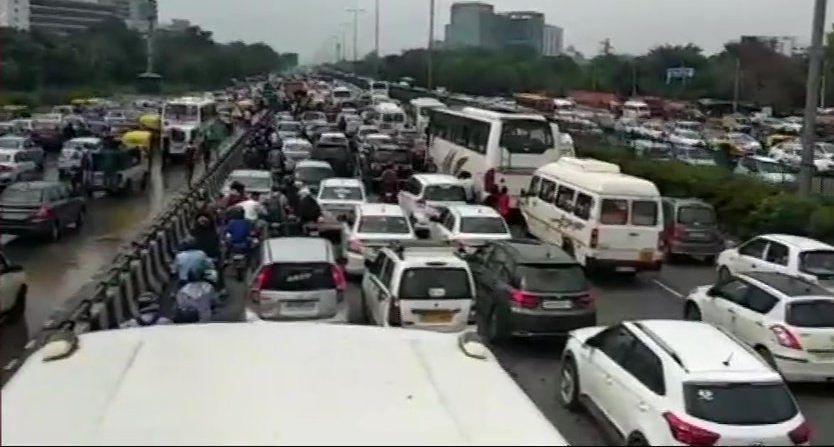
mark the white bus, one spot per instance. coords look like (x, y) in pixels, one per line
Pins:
(185, 122)
(340, 94)
(419, 109)
(636, 109)
(496, 149)
(389, 117)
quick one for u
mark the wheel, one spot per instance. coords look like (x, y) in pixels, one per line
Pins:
(569, 386)
(356, 311)
(670, 257)
(691, 312)
(637, 439)
(79, 220)
(54, 234)
(767, 357)
(495, 329)
(240, 273)
(724, 275)
(128, 188)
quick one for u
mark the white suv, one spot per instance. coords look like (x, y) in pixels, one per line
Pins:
(678, 383)
(416, 286)
(787, 320)
(470, 225)
(426, 195)
(792, 255)
(375, 225)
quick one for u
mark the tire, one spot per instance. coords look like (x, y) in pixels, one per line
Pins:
(79, 220)
(691, 312)
(569, 386)
(54, 234)
(637, 439)
(17, 310)
(144, 185)
(724, 274)
(767, 357)
(356, 310)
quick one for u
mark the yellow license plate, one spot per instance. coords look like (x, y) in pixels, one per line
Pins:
(436, 317)
(647, 256)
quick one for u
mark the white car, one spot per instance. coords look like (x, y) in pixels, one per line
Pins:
(288, 129)
(686, 137)
(426, 195)
(470, 225)
(73, 150)
(375, 225)
(341, 196)
(678, 383)
(12, 287)
(787, 320)
(27, 144)
(253, 180)
(419, 287)
(792, 255)
(295, 150)
(744, 141)
(17, 165)
(790, 153)
(765, 169)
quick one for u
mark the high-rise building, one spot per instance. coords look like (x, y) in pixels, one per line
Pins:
(67, 16)
(14, 14)
(522, 28)
(476, 24)
(554, 38)
(472, 25)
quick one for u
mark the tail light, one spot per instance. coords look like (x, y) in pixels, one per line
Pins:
(263, 280)
(678, 231)
(594, 238)
(356, 246)
(800, 435)
(489, 182)
(44, 213)
(689, 434)
(339, 278)
(5, 168)
(785, 337)
(525, 300)
(587, 301)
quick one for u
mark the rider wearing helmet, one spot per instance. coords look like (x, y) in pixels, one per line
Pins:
(149, 312)
(191, 263)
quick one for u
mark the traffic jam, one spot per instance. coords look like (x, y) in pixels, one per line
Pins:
(476, 224)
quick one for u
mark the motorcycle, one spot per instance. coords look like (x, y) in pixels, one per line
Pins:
(240, 255)
(196, 300)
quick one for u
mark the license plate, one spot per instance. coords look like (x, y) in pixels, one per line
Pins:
(646, 255)
(298, 306)
(436, 317)
(699, 235)
(557, 305)
(625, 269)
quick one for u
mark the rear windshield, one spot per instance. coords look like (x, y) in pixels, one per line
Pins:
(300, 277)
(392, 156)
(341, 193)
(614, 212)
(435, 283)
(15, 195)
(526, 137)
(483, 225)
(551, 278)
(818, 313)
(384, 224)
(445, 193)
(696, 215)
(819, 263)
(644, 213)
(331, 152)
(313, 175)
(739, 403)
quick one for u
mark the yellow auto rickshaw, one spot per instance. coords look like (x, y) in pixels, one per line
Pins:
(773, 140)
(138, 139)
(151, 122)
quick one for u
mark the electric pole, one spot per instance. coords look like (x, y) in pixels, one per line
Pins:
(811, 97)
(430, 82)
(355, 12)
(344, 27)
(633, 78)
(737, 85)
(376, 37)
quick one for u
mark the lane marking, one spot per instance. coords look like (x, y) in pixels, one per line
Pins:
(669, 289)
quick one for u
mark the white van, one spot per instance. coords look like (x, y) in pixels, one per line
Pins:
(602, 217)
(389, 117)
(636, 109)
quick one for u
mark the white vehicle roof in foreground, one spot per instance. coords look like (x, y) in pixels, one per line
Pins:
(437, 179)
(85, 140)
(598, 176)
(381, 209)
(269, 383)
(251, 173)
(426, 102)
(297, 142)
(312, 164)
(799, 242)
(341, 182)
(474, 211)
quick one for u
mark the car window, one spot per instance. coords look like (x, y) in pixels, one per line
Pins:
(582, 208)
(376, 267)
(644, 213)
(739, 403)
(614, 342)
(734, 290)
(759, 300)
(564, 199)
(547, 190)
(547, 278)
(534, 185)
(646, 367)
(387, 273)
(300, 277)
(754, 248)
(777, 254)
(435, 283)
(812, 313)
(614, 212)
(449, 222)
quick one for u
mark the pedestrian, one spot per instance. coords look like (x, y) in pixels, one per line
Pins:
(205, 147)
(308, 208)
(190, 163)
(468, 184)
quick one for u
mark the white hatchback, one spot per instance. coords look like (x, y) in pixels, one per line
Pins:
(470, 225)
(374, 226)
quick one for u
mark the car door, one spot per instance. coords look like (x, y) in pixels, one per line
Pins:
(750, 256)
(724, 303)
(384, 293)
(545, 213)
(776, 258)
(640, 386)
(599, 379)
(371, 286)
(748, 320)
(530, 204)
(446, 226)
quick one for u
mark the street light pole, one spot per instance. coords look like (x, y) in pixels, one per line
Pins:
(811, 98)
(355, 12)
(430, 81)
(376, 37)
(737, 85)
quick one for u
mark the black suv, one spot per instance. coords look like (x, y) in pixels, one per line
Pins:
(526, 288)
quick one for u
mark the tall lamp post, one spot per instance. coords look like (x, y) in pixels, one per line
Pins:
(430, 75)
(355, 12)
(811, 98)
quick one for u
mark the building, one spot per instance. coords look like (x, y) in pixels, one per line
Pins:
(14, 14)
(554, 38)
(67, 16)
(472, 25)
(522, 29)
(142, 15)
(785, 45)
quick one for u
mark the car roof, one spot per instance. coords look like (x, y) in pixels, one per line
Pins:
(347, 182)
(312, 164)
(92, 140)
(380, 209)
(377, 136)
(250, 173)
(474, 211)
(679, 201)
(333, 135)
(597, 176)
(704, 349)
(800, 242)
(790, 286)
(298, 250)
(532, 251)
(13, 137)
(297, 140)
(436, 179)
(762, 158)
(413, 386)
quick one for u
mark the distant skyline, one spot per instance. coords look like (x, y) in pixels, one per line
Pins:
(309, 27)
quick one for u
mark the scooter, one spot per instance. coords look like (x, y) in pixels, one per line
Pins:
(240, 255)
(197, 299)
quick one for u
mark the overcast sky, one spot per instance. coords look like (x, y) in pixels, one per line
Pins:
(633, 26)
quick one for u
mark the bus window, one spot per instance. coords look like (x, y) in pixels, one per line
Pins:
(526, 137)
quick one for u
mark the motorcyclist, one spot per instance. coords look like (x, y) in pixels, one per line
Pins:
(207, 239)
(149, 312)
(389, 183)
(190, 261)
(308, 208)
(291, 191)
(253, 209)
(196, 295)
(238, 233)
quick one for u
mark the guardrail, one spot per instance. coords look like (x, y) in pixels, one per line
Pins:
(141, 266)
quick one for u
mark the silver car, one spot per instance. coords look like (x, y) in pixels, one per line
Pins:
(298, 279)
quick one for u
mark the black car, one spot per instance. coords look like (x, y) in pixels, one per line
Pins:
(526, 288)
(42, 208)
(373, 161)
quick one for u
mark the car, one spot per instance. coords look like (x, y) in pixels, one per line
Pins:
(358, 138)
(72, 152)
(295, 150)
(652, 386)
(298, 278)
(469, 225)
(254, 180)
(789, 321)
(41, 208)
(690, 228)
(765, 169)
(312, 116)
(17, 165)
(335, 150)
(13, 288)
(416, 286)
(793, 255)
(654, 150)
(790, 153)
(685, 137)
(27, 144)
(341, 196)
(747, 144)
(426, 195)
(289, 129)
(526, 288)
(375, 140)
(694, 156)
(310, 173)
(374, 225)
(374, 159)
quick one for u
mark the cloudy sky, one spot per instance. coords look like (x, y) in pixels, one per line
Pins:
(310, 26)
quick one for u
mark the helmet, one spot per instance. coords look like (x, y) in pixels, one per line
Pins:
(186, 315)
(189, 243)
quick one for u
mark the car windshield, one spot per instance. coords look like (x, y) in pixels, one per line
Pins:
(15, 194)
(256, 183)
(696, 215)
(297, 147)
(10, 143)
(739, 403)
(813, 314)
(392, 156)
(769, 167)
(384, 224)
(526, 136)
(435, 283)
(819, 263)
(445, 193)
(313, 174)
(299, 277)
(341, 193)
(331, 151)
(71, 153)
(483, 225)
(289, 127)
(546, 278)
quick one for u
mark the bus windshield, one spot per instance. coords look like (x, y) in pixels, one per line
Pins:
(181, 112)
(526, 136)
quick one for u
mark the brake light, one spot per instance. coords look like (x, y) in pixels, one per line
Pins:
(678, 231)
(5, 168)
(594, 238)
(356, 246)
(587, 301)
(489, 182)
(339, 278)
(524, 300)
(689, 434)
(800, 435)
(44, 213)
(264, 279)
(785, 337)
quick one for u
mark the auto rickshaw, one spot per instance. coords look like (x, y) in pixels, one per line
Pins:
(151, 121)
(773, 140)
(119, 171)
(138, 139)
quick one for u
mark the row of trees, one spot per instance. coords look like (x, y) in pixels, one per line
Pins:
(766, 77)
(109, 54)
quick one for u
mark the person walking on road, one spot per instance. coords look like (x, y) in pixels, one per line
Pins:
(190, 163)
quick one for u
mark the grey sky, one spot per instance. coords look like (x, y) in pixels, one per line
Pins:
(633, 25)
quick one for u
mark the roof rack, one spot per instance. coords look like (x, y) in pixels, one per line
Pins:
(659, 341)
(404, 248)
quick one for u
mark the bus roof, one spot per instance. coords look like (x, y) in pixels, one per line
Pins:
(269, 383)
(426, 102)
(190, 101)
(599, 177)
(490, 115)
